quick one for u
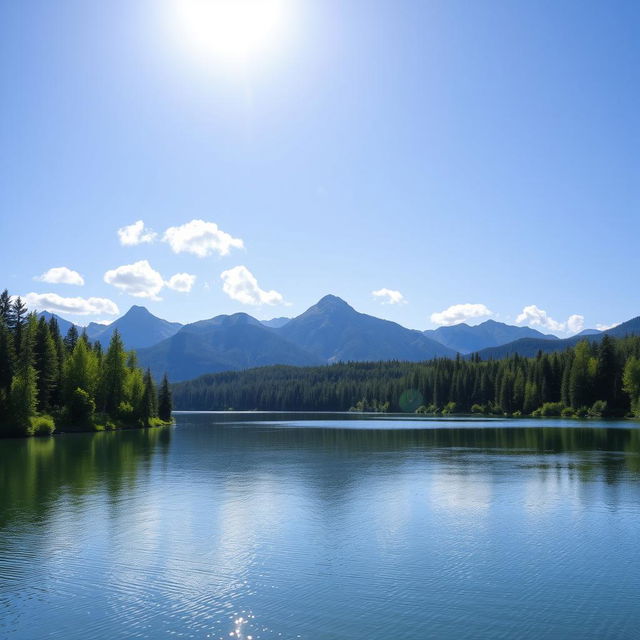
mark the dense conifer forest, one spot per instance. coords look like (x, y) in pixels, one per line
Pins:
(49, 382)
(592, 379)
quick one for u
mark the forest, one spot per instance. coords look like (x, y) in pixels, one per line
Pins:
(50, 382)
(599, 379)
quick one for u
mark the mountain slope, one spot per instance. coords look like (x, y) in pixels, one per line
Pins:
(138, 328)
(529, 347)
(334, 331)
(275, 323)
(63, 325)
(467, 339)
(223, 343)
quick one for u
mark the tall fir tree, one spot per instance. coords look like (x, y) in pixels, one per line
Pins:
(165, 403)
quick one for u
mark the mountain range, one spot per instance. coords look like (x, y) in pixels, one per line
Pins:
(329, 331)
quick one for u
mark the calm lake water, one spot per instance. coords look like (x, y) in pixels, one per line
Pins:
(323, 527)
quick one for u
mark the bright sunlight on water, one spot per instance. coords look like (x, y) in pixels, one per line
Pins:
(257, 526)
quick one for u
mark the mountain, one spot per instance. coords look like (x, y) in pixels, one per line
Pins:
(222, 343)
(588, 332)
(63, 325)
(467, 339)
(275, 323)
(138, 327)
(334, 331)
(529, 347)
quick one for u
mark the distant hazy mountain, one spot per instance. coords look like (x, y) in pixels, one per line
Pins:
(467, 339)
(588, 332)
(275, 323)
(529, 347)
(222, 343)
(63, 325)
(138, 327)
(333, 331)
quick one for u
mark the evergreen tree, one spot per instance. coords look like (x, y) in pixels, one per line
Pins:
(71, 338)
(165, 404)
(23, 396)
(80, 371)
(46, 364)
(113, 375)
(631, 382)
(607, 374)
(5, 308)
(580, 380)
(148, 407)
(17, 320)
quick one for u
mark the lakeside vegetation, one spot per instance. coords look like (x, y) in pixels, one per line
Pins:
(591, 379)
(48, 382)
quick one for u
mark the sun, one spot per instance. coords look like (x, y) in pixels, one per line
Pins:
(230, 30)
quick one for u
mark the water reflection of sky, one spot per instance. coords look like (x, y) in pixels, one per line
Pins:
(224, 526)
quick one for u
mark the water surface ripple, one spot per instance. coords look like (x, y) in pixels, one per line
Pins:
(323, 527)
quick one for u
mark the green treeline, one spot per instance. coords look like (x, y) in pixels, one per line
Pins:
(598, 379)
(47, 381)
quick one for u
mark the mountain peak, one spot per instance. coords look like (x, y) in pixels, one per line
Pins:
(332, 302)
(137, 310)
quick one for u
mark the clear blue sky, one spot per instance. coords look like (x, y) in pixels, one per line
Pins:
(482, 153)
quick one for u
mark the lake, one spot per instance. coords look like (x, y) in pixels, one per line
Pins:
(257, 526)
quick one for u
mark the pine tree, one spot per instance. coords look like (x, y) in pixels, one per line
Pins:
(46, 364)
(23, 396)
(17, 320)
(113, 375)
(71, 338)
(148, 407)
(165, 404)
(5, 307)
(607, 376)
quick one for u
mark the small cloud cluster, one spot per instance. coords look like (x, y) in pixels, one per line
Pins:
(457, 313)
(135, 233)
(389, 296)
(198, 237)
(533, 316)
(76, 306)
(182, 282)
(141, 280)
(61, 275)
(201, 239)
(241, 285)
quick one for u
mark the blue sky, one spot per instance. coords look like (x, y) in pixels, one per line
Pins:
(483, 154)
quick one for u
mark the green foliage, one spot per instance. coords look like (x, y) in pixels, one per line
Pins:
(449, 408)
(81, 408)
(40, 374)
(549, 409)
(631, 383)
(42, 425)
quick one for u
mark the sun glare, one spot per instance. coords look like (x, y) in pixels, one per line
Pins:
(230, 30)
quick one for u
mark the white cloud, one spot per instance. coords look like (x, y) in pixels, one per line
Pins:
(78, 306)
(575, 323)
(606, 327)
(201, 239)
(458, 313)
(138, 279)
(389, 296)
(241, 285)
(533, 316)
(536, 317)
(182, 282)
(135, 233)
(61, 275)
